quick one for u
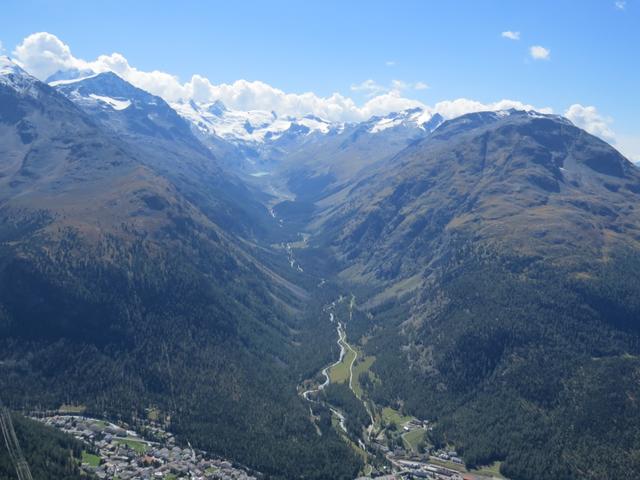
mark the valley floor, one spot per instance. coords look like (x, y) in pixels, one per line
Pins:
(393, 445)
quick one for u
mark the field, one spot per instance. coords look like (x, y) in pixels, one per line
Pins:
(492, 471)
(138, 446)
(340, 372)
(72, 409)
(389, 415)
(361, 366)
(153, 414)
(484, 473)
(413, 438)
(451, 465)
(90, 459)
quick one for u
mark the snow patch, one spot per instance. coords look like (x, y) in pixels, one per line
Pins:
(7, 67)
(71, 81)
(112, 102)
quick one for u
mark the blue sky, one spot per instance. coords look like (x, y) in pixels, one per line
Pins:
(454, 47)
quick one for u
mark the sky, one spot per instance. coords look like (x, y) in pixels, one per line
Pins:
(347, 60)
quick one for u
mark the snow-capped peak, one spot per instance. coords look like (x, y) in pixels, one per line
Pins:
(530, 114)
(105, 90)
(15, 77)
(7, 67)
(253, 126)
(411, 118)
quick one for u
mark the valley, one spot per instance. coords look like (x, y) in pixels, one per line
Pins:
(390, 444)
(288, 297)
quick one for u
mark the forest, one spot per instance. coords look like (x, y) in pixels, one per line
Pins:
(527, 364)
(49, 453)
(223, 365)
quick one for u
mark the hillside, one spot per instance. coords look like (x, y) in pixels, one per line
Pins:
(499, 261)
(163, 141)
(120, 291)
(51, 455)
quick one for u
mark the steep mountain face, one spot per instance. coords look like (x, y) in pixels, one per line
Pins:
(260, 139)
(119, 291)
(264, 143)
(501, 255)
(535, 183)
(319, 170)
(165, 143)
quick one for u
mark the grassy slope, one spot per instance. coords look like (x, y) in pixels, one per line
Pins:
(362, 366)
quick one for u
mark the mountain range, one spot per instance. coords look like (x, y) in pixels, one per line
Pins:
(182, 258)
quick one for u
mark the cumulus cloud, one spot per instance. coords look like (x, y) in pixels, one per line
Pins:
(621, 4)
(369, 87)
(454, 108)
(538, 52)
(589, 119)
(43, 54)
(511, 35)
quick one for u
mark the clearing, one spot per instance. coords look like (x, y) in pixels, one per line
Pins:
(137, 445)
(90, 459)
(413, 438)
(362, 365)
(389, 415)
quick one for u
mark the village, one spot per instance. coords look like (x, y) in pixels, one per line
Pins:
(411, 459)
(115, 452)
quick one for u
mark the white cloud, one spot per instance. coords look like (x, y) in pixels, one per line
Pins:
(589, 119)
(399, 85)
(1, 48)
(539, 53)
(621, 4)
(390, 63)
(369, 87)
(455, 108)
(629, 145)
(511, 35)
(43, 54)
